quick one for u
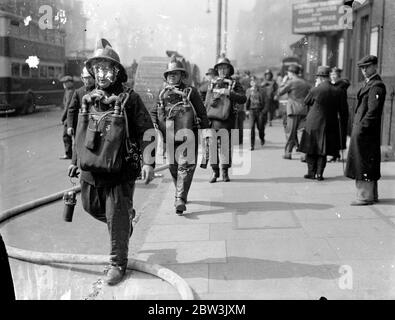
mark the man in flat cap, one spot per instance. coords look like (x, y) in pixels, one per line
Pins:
(321, 136)
(68, 85)
(364, 156)
(297, 90)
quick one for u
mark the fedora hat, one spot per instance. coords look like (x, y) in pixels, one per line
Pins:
(323, 71)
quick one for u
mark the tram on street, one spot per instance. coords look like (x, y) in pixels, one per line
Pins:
(24, 86)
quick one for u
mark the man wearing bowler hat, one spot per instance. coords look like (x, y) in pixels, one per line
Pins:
(321, 136)
(364, 156)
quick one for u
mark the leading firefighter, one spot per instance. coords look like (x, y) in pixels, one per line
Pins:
(109, 140)
(178, 115)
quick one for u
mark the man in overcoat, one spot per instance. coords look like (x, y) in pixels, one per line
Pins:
(342, 84)
(364, 156)
(321, 136)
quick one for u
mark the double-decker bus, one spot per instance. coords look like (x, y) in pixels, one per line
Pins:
(23, 87)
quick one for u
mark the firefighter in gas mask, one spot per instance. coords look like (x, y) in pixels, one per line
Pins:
(223, 94)
(110, 113)
(178, 115)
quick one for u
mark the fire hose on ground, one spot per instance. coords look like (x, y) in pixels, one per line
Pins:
(52, 258)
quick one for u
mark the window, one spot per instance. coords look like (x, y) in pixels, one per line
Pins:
(51, 72)
(364, 36)
(34, 72)
(25, 70)
(374, 41)
(58, 72)
(43, 71)
(15, 69)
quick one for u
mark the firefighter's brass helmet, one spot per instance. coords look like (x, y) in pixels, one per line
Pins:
(175, 65)
(104, 51)
(224, 60)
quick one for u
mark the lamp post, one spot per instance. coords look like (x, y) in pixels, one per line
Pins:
(219, 24)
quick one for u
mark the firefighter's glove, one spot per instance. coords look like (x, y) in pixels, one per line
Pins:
(147, 173)
(73, 171)
(70, 131)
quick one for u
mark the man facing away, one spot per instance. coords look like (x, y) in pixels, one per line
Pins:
(364, 154)
(297, 90)
(321, 136)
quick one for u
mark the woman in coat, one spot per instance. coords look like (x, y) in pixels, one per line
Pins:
(321, 135)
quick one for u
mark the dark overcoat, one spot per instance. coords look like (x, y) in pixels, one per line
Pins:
(364, 156)
(321, 135)
(343, 85)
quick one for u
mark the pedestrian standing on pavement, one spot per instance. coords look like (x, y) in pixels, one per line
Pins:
(364, 155)
(68, 85)
(270, 86)
(76, 101)
(222, 97)
(183, 105)
(321, 136)
(341, 84)
(297, 90)
(257, 109)
(106, 189)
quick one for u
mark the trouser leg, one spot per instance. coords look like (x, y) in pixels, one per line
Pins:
(68, 143)
(261, 126)
(184, 180)
(119, 214)
(375, 191)
(311, 161)
(365, 190)
(173, 168)
(291, 129)
(321, 164)
(240, 126)
(93, 201)
(253, 121)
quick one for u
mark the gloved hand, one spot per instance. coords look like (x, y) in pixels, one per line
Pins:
(73, 171)
(70, 131)
(147, 173)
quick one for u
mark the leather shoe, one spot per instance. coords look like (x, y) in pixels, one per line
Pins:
(179, 204)
(225, 176)
(361, 203)
(287, 157)
(64, 157)
(213, 178)
(320, 177)
(309, 176)
(115, 275)
(252, 148)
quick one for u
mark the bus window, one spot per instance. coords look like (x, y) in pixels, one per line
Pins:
(58, 72)
(25, 70)
(14, 27)
(34, 72)
(51, 72)
(15, 69)
(43, 71)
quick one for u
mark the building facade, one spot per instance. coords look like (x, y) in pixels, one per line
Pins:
(339, 33)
